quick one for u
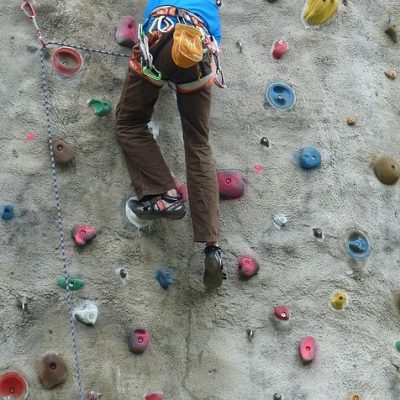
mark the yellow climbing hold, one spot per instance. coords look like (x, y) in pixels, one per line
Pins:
(318, 12)
(339, 300)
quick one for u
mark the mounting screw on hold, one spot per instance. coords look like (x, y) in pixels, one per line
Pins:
(278, 396)
(265, 142)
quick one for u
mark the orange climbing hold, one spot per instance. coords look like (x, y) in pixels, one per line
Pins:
(53, 370)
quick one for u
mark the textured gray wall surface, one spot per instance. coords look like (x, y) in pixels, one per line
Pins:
(199, 349)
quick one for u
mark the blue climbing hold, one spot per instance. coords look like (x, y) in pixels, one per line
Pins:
(309, 158)
(7, 212)
(357, 244)
(280, 95)
(164, 277)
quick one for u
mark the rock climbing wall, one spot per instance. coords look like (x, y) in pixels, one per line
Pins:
(199, 346)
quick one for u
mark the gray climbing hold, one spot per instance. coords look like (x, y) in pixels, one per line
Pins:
(280, 219)
(86, 313)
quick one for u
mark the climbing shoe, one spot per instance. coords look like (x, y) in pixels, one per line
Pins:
(164, 206)
(213, 274)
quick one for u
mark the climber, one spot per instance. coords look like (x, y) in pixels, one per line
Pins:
(180, 46)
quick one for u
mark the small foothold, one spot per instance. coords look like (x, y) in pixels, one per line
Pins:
(92, 395)
(307, 349)
(355, 397)
(282, 313)
(309, 158)
(63, 151)
(248, 267)
(30, 136)
(398, 345)
(357, 244)
(271, 1)
(250, 334)
(138, 340)
(66, 61)
(101, 107)
(22, 302)
(351, 120)
(126, 32)
(280, 95)
(278, 396)
(318, 233)
(86, 313)
(72, 283)
(231, 184)
(164, 277)
(392, 74)
(339, 300)
(239, 45)
(53, 370)
(13, 386)
(154, 128)
(154, 396)
(265, 142)
(83, 234)
(387, 169)
(318, 12)
(391, 29)
(280, 219)
(123, 273)
(279, 48)
(7, 212)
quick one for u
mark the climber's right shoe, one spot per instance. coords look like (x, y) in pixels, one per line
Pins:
(213, 274)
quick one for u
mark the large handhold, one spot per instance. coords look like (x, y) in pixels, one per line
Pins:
(53, 370)
(63, 151)
(231, 184)
(386, 169)
(307, 349)
(13, 386)
(309, 158)
(101, 107)
(154, 396)
(66, 61)
(138, 340)
(83, 234)
(280, 95)
(318, 12)
(86, 313)
(72, 283)
(126, 31)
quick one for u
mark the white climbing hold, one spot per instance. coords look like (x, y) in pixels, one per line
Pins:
(86, 313)
(280, 219)
(154, 128)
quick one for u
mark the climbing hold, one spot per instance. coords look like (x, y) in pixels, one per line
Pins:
(164, 277)
(138, 340)
(318, 12)
(271, 1)
(280, 95)
(66, 61)
(73, 283)
(387, 169)
(250, 334)
(279, 48)
(339, 300)
(397, 345)
(131, 216)
(357, 244)
(154, 128)
(248, 267)
(391, 29)
(258, 168)
(318, 233)
(154, 396)
(83, 234)
(30, 136)
(355, 397)
(123, 273)
(92, 395)
(86, 313)
(7, 212)
(126, 32)
(265, 142)
(278, 396)
(102, 107)
(53, 370)
(308, 158)
(63, 151)
(13, 386)
(282, 313)
(239, 45)
(307, 349)
(280, 219)
(392, 74)
(231, 184)
(351, 120)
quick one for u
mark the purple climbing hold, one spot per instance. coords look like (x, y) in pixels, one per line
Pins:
(126, 32)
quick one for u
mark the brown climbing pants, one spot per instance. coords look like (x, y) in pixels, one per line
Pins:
(147, 168)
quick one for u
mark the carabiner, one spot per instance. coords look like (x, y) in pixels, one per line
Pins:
(31, 13)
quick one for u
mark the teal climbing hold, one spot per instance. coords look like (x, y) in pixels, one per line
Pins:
(398, 345)
(101, 107)
(73, 283)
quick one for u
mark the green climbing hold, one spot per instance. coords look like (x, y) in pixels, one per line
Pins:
(73, 283)
(398, 345)
(101, 107)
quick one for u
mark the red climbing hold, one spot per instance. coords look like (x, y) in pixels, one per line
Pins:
(307, 349)
(248, 266)
(282, 313)
(66, 61)
(83, 234)
(279, 49)
(30, 136)
(181, 189)
(126, 32)
(231, 184)
(138, 340)
(154, 396)
(13, 386)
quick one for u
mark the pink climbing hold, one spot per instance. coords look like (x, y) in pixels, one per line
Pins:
(126, 32)
(248, 266)
(307, 349)
(279, 49)
(154, 396)
(138, 340)
(30, 136)
(231, 185)
(182, 190)
(83, 234)
(282, 313)
(258, 168)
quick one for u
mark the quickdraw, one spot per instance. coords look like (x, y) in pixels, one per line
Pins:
(28, 9)
(146, 58)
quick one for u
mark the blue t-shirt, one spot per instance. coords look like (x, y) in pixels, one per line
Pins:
(207, 10)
